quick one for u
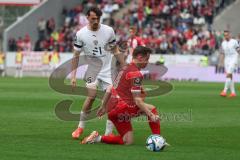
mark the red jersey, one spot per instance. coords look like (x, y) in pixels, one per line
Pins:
(127, 82)
(133, 42)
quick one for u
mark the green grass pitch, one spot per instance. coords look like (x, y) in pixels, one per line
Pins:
(196, 121)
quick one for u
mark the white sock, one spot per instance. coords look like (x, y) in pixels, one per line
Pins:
(227, 84)
(83, 117)
(109, 127)
(232, 87)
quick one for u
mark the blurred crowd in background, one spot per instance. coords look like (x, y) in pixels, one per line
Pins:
(167, 26)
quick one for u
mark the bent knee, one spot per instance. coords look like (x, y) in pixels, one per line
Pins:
(128, 138)
(128, 142)
(109, 88)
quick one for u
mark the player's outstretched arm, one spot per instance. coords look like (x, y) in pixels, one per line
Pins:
(119, 56)
(75, 61)
(103, 109)
(119, 50)
(144, 107)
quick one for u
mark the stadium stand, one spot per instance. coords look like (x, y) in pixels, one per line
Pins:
(172, 26)
(168, 26)
(9, 14)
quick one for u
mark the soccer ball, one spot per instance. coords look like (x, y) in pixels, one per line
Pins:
(155, 143)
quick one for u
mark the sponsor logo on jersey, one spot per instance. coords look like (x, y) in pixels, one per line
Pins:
(137, 81)
(95, 42)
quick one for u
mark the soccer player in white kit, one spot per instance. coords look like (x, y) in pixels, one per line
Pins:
(95, 40)
(230, 47)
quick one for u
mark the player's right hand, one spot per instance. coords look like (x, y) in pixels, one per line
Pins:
(73, 82)
(101, 111)
(154, 118)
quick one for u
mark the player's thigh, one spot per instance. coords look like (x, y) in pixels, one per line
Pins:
(112, 103)
(121, 119)
(92, 88)
(230, 67)
(94, 67)
(103, 84)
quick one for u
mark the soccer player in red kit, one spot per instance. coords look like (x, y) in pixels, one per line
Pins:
(125, 100)
(133, 42)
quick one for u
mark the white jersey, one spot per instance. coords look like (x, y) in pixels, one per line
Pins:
(230, 50)
(94, 43)
(230, 47)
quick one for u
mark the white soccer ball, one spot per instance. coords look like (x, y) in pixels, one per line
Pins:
(155, 143)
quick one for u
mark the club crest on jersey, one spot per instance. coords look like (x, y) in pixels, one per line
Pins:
(95, 42)
(137, 81)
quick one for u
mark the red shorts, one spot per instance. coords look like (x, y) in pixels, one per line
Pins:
(121, 115)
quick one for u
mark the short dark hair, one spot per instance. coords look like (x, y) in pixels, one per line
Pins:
(94, 9)
(226, 31)
(141, 50)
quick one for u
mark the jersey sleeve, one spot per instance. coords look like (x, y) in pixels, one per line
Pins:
(237, 46)
(135, 79)
(78, 43)
(112, 39)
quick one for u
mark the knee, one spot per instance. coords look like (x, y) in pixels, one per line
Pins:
(91, 91)
(128, 138)
(90, 99)
(129, 142)
(109, 88)
(91, 95)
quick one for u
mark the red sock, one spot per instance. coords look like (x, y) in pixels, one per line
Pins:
(112, 139)
(155, 126)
